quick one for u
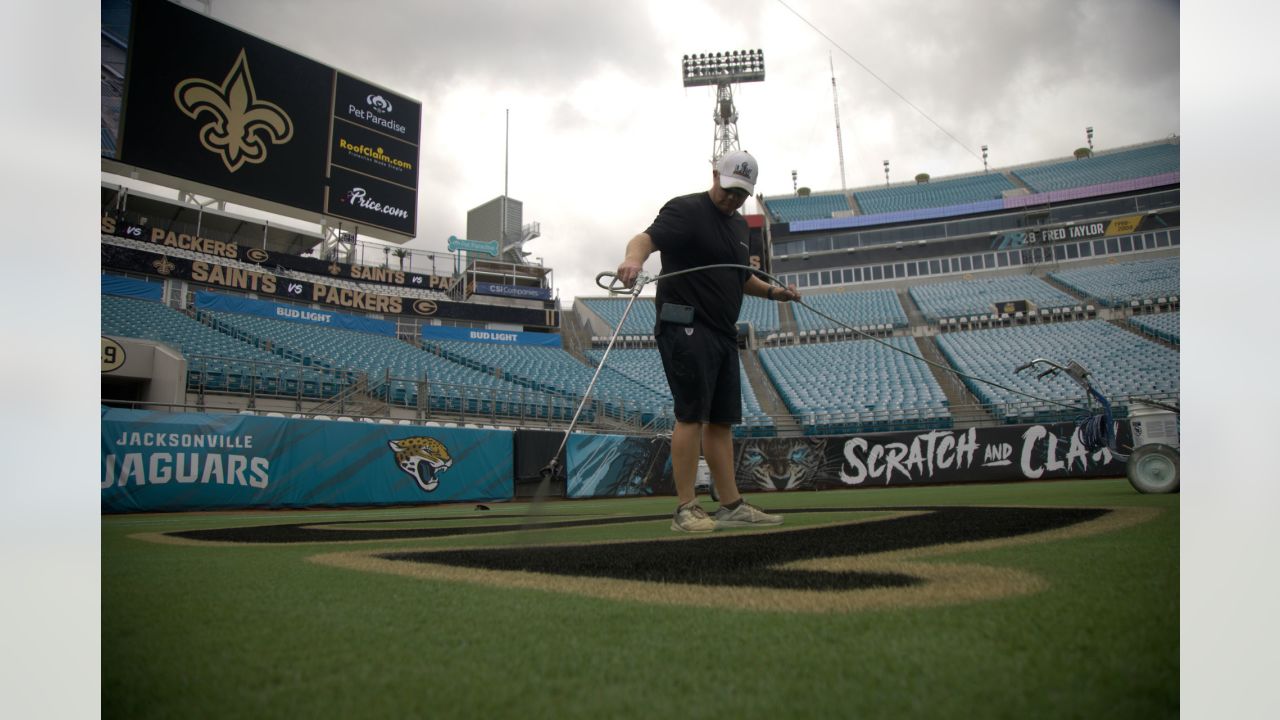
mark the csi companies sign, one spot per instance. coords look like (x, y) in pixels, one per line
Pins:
(211, 105)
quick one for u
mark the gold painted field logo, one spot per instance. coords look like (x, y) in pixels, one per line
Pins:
(872, 558)
(242, 125)
(112, 355)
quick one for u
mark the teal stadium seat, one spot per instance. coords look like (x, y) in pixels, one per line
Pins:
(980, 296)
(933, 194)
(1121, 364)
(1104, 168)
(857, 386)
(1116, 285)
(806, 207)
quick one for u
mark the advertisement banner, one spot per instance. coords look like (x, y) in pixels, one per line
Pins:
(512, 291)
(610, 465)
(269, 261)
(154, 461)
(358, 102)
(268, 283)
(245, 306)
(500, 337)
(369, 152)
(367, 201)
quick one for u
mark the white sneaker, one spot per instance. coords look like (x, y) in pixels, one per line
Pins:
(692, 518)
(745, 514)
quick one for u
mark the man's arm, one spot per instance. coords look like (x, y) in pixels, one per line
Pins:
(639, 248)
(759, 288)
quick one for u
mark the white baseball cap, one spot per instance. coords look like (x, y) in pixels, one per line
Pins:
(738, 170)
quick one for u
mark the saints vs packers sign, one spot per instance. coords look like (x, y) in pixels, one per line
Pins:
(209, 104)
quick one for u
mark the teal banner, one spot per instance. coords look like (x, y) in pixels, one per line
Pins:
(477, 246)
(293, 313)
(154, 461)
(618, 466)
(499, 337)
(129, 287)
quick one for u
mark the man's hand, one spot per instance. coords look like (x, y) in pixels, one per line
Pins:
(786, 294)
(628, 271)
(639, 248)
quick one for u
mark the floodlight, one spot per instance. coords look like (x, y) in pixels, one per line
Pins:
(723, 68)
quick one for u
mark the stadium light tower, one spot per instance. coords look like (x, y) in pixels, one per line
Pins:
(722, 69)
(984, 158)
(1088, 133)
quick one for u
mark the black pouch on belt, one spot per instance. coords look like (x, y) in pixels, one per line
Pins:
(676, 314)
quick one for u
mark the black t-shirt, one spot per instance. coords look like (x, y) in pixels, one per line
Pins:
(690, 231)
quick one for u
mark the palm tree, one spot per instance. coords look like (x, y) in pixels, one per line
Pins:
(400, 253)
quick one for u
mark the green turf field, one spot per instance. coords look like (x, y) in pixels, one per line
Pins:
(1076, 620)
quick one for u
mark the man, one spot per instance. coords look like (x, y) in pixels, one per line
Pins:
(697, 332)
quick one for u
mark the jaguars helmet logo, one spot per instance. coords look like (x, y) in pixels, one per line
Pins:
(423, 458)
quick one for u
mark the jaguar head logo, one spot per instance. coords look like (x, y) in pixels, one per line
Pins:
(240, 125)
(423, 458)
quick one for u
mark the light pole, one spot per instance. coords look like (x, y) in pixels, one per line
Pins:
(1088, 133)
(984, 158)
(722, 69)
(886, 173)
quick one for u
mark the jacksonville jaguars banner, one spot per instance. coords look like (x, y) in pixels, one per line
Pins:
(154, 461)
(611, 465)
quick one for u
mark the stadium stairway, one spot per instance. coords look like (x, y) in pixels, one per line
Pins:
(915, 319)
(355, 399)
(966, 409)
(768, 396)
(1069, 290)
(787, 326)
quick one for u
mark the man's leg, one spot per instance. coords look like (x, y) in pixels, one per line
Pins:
(717, 448)
(686, 440)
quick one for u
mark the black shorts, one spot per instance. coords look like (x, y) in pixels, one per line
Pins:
(702, 370)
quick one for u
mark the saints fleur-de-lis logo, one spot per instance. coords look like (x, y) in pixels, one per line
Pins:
(243, 125)
(163, 266)
(335, 269)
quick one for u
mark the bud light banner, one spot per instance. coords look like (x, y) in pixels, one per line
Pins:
(154, 461)
(501, 337)
(293, 313)
(612, 465)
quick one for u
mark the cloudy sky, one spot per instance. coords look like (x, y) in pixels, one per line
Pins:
(602, 131)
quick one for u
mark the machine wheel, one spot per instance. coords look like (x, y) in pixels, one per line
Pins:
(1153, 469)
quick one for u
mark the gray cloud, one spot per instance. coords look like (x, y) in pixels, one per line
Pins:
(588, 81)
